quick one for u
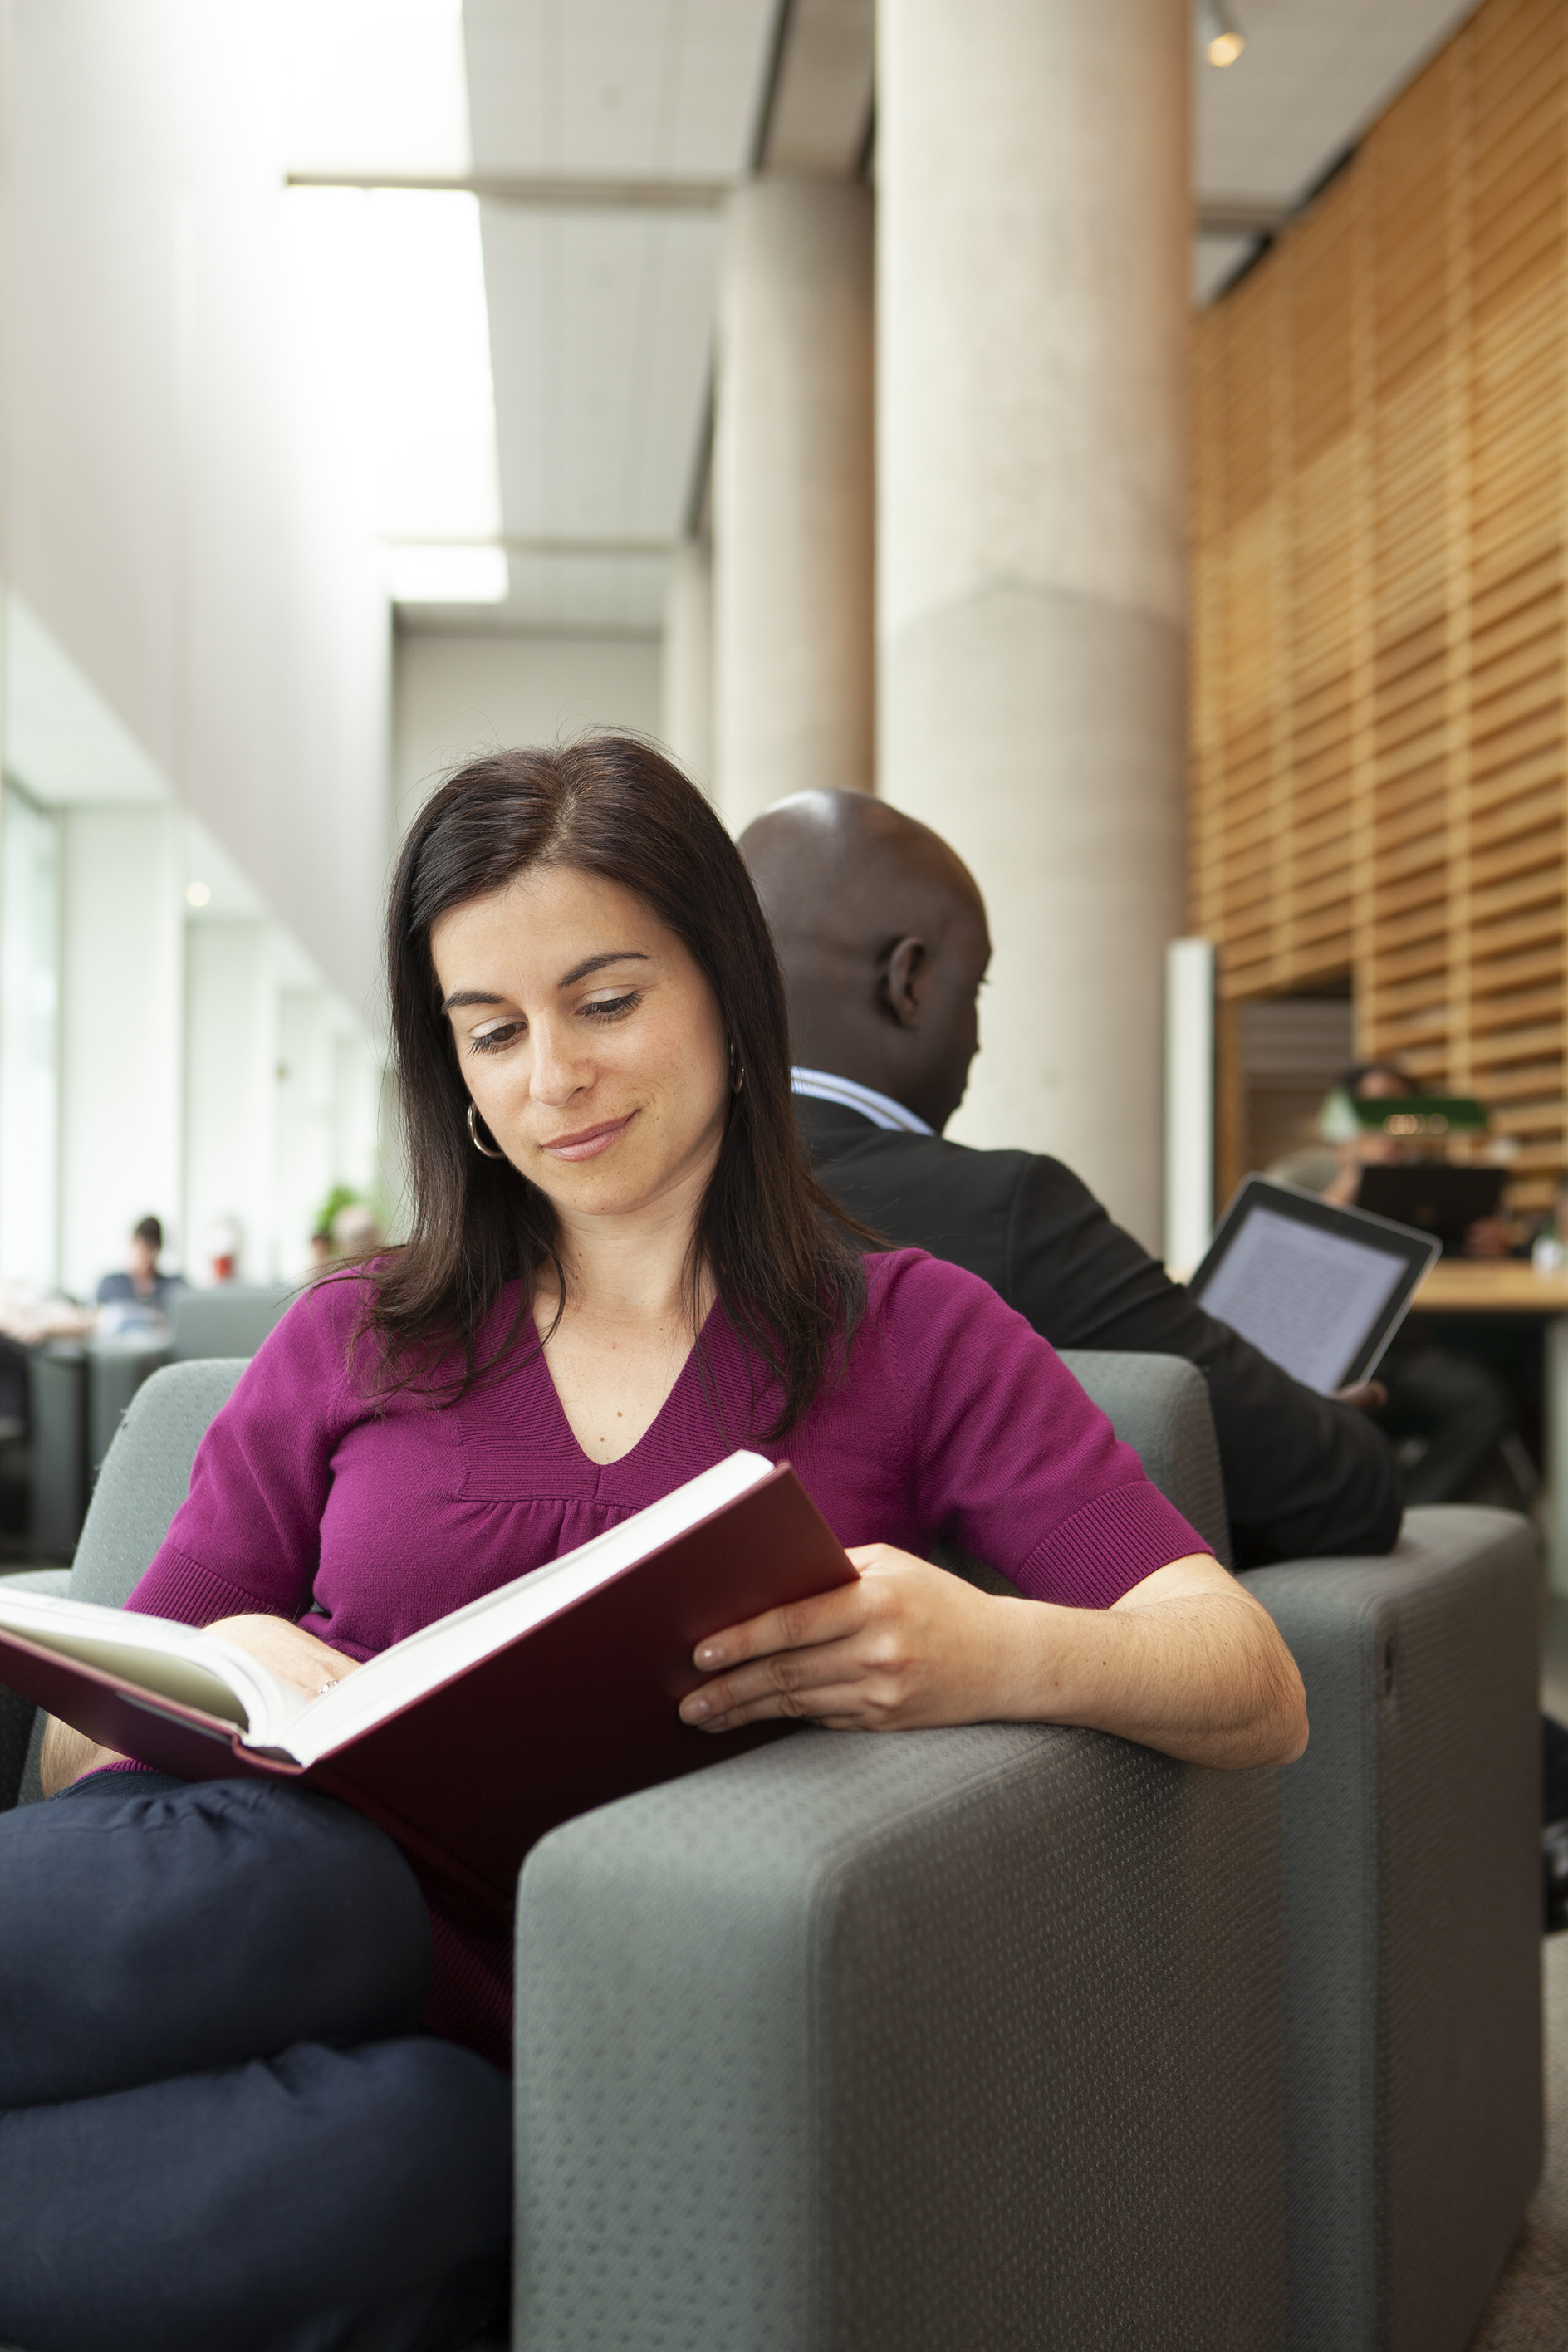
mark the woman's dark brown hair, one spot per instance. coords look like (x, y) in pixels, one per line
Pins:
(784, 1260)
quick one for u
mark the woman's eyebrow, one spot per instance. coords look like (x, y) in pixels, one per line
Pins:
(462, 996)
(594, 963)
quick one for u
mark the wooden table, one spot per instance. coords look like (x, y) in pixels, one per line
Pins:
(1459, 1286)
(1507, 1286)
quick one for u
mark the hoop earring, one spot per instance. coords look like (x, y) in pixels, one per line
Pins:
(474, 1139)
(736, 1070)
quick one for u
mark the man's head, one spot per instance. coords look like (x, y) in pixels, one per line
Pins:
(881, 932)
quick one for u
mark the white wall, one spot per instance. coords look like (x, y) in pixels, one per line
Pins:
(170, 523)
(232, 1001)
(458, 695)
(122, 1060)
(29, 1040)
(197, 673)
(328, 1098)
(305, 1142)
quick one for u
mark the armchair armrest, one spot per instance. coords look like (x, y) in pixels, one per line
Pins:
(888, 2045)
(1412, 1830)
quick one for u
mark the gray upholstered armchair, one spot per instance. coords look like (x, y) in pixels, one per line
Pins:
(1011, 2037)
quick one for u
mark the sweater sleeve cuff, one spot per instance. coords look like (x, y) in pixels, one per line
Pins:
(179, 1586)
(1112, 1544)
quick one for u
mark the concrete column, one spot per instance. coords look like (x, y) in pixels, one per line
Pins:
(686, 670)
(792, 495)
(1033, 208)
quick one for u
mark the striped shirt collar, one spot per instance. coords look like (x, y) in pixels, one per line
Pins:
(821, 1085)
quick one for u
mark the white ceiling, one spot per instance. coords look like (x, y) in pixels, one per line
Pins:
(601, 320)
(600, 330)
(616, 87)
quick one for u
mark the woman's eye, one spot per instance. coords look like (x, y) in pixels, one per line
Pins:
(488, 1041)
(607, 1008)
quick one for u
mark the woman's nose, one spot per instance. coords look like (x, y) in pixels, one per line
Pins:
(557, 1073)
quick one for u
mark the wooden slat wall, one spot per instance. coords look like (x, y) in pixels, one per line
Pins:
(1381, 625)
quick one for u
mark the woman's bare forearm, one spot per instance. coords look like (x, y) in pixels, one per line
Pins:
(1183, 1665)
(1186, 1662)
(66, 1755)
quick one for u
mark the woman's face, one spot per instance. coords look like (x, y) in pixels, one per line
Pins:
(589, 1040)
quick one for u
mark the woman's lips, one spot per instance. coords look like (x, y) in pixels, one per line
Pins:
(590, 1140)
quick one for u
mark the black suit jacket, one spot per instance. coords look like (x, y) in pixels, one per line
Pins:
(1303, 1475)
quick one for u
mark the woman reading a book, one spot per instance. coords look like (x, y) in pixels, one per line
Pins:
(620, 1269)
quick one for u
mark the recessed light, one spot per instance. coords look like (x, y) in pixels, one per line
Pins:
(197, 894)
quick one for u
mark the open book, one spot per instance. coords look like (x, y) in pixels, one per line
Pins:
(470, 1739)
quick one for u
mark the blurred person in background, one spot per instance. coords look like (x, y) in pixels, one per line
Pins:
(346, 1230)
(140, 1293)
(32, 1312)
(1333, 1167)
(1454, 1385)
(356, 1233)
(344, 1235)
(1451, 1406)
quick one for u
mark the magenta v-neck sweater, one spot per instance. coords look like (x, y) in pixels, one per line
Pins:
(952, 1419)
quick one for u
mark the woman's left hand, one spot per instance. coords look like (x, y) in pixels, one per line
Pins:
(1186, 1662)
(906, 1645)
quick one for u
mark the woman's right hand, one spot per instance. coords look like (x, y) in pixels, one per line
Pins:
(296, 1658)
(286, 1650)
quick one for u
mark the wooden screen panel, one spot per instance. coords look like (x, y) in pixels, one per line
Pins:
(1381, 625)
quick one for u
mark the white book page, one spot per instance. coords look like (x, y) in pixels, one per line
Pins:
(1304, 1298)
(177, 1662)
(422, 1661)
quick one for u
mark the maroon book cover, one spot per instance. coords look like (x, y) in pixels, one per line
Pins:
(577, 1711)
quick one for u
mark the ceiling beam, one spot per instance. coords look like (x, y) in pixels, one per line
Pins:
(820, 101)
(516, 544)
(563, 194)
(1240, 217)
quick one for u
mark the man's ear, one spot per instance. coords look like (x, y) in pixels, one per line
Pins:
(904, 981)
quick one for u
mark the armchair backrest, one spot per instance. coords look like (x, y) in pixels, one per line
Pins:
(232, 1320)
(1160, 1406)
(145, 1474)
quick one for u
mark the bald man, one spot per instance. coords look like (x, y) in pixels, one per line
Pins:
(884, 944)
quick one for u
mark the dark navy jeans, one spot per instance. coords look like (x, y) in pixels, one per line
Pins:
(220, 2130)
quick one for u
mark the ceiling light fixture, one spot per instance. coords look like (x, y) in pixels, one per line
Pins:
(1222, 37)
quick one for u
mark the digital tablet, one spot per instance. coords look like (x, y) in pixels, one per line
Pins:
(1320, 1290)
